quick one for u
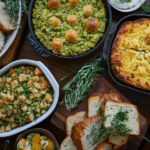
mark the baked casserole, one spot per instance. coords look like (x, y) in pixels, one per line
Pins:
(69, 27)
(25, 94)
(130, 54)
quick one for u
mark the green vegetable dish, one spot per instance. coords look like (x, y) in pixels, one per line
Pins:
(25, 94)
(69, 27)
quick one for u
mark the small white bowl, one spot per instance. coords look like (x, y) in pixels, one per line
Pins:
(11, 36)
(129, 9)
(53, 83)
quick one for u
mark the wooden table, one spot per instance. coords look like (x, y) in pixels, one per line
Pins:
(57, 66)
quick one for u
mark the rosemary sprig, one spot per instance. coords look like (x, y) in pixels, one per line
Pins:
(146, 7)
(75, 90)
(12, 7)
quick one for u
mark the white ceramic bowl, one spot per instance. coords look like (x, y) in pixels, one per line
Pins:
(53, 83)
(129, 9)
(11, 36)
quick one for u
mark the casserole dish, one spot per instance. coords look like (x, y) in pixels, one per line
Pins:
(53, 83)
(37, 46)
(108, 44)
(37, 130)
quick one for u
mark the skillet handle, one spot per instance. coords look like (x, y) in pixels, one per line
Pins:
(107, 47)
(36, 47)
(6, 144)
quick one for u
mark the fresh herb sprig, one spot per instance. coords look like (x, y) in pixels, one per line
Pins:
(75, 90)
(146, 7)
(12, 7)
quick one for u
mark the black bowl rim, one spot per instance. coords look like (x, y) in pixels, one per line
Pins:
(64, 57)
(114, 32)
(32, 131)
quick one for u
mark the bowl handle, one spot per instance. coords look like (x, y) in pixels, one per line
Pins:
(107, 46)
(6, 144)
(36, 47)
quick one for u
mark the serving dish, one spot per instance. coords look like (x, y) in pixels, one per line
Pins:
(129, 9)
(11, 36)
(52, 81)
(36, 130)
(108, 44)
(36, 45)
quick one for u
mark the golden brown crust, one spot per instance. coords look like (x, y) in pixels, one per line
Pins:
(130, 56)
(82, 113)
(78, 131)
(103, 145)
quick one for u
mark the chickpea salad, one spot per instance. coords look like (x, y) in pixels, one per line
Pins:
(69, 27)
(25, 95)
(36, 141)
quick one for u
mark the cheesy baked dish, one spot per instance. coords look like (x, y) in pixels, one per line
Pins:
(69, 27)
(25, 94)
(35, 141)
(130, 54)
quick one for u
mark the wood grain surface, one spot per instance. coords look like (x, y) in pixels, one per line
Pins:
(57, 66)
(101, 86)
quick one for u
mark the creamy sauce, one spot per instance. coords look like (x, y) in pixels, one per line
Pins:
(125, 5)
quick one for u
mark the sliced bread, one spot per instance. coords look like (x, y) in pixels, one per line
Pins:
(117, 140)
(2, 40)
(6, 23)
(73, 120)
(97, 100)
(105, 146)
(81, 131)
(67, 144)
(113, 107)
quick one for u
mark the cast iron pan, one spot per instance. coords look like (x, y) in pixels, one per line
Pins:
(108, 45)
(39, 49)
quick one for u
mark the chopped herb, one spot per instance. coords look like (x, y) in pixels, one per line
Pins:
(146, 139)
(6, 107)
(30, 138)
(125, 1)
(146, 7)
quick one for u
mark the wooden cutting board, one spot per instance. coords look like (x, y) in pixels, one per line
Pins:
(101, 86)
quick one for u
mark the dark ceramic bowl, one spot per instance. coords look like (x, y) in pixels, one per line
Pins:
(36, 130)
(107, 49)
(43, 52)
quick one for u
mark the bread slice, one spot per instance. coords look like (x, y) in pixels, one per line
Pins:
(81, 130)
(67, 144)
(6, 23)
(117, 140)
(112, 108)
(105, 146)
(97, 100)
(78, 117)
(2, 40)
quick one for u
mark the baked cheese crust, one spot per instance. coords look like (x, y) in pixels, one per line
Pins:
(130, 54)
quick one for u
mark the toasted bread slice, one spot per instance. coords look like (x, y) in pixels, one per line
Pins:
(112, 108)
(81, 130)
(73, 120)
(67, 144)
(117, 140)
(6, 23)
(97, 100)
(105, 146)
(2, 40)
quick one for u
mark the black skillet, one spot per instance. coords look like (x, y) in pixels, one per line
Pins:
(108, 45)
(43, 52)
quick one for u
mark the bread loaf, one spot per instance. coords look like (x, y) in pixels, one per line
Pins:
(105, 146)
(81, 131)
(6, 23)
(112, 108)
(73, 120)
(2, 40)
